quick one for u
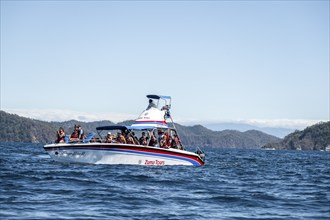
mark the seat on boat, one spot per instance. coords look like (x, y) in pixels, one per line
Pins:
(88, 138)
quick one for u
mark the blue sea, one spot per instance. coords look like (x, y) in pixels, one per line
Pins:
(234, 184)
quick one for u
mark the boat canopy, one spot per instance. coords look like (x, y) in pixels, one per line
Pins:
(123, 128)
(112, 127)
(158, 97)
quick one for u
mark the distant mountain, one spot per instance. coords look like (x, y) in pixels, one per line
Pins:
(278, 132)
(198, 135)
(316, 137)
(15, 128)
(19, 129)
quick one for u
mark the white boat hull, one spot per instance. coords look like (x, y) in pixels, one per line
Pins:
(102, 153)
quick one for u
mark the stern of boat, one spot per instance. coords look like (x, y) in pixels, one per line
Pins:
(201, 154)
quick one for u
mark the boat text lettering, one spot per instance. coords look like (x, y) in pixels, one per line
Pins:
(154, 162)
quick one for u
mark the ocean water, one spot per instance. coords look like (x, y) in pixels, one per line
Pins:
(234, 184)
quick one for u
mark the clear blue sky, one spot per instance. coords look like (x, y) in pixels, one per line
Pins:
(219, 60)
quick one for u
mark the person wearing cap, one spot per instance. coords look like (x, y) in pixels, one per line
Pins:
(151, 104)
(108, 138)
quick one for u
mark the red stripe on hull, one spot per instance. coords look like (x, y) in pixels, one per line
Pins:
(164, 122)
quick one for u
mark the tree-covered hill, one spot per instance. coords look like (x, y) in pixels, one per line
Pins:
(316, 137)
(198, 135)
(19, 129)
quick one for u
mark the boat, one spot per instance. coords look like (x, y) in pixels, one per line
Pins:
(269, 148)
(327, 148)
(159, 142)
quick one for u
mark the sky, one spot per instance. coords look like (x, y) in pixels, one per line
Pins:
(249, 61)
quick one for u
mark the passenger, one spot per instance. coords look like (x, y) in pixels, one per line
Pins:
(160, 135)
(153, 141)
(163, 142)
(114, 138)
(109, 138)
(173, 145)
(133, 134)
(143, 139)
(60, 136)
(136, 140)
(120, 138)
(130, 139)
(151, 104)
(165, 107)
(168, 140)
(75, 134)
(81, 134)
(176, 142)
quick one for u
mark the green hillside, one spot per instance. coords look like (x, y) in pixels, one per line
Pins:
(20, 129)
(316, 137)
